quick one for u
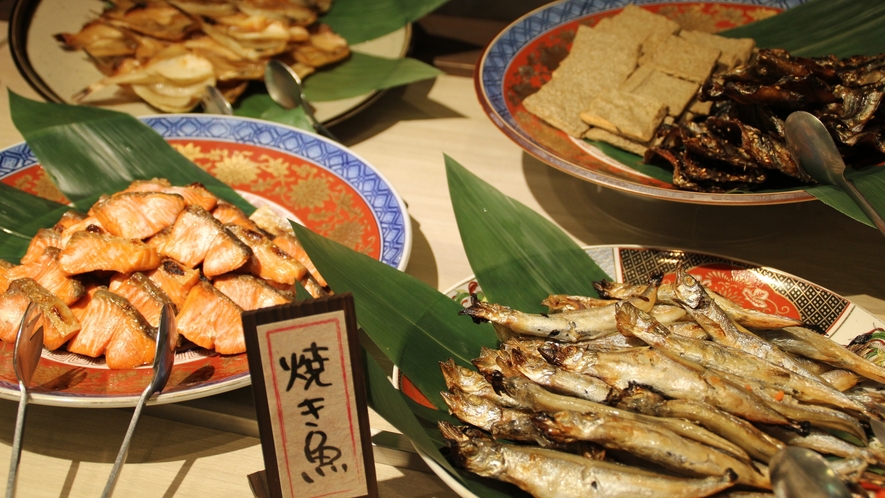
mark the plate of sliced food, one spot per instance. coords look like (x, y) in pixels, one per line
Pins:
(671, 100)
(145, 57)
(683, 377)
(102, 275)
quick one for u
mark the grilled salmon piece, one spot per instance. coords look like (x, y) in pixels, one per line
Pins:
(46, 237)
(47, 271)
(268, 220)
(88, 251)
(229, 214)
(79, 308)
(269, 261)
(249, 292)
(194, 235)
(89, 223)
(68, 219)
(4, 274)
(292, 246)
(58, 322)
(174, 279)
(109, 317)
(147, 297)
(137, 215)
(210, 319)
(195, 194)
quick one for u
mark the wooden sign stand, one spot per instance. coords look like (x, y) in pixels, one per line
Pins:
(310, 400)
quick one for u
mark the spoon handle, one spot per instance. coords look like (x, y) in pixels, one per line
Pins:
(865, 206)
(124, 449)
(17, 442)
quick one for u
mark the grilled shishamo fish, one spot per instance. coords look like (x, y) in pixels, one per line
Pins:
(549, 473)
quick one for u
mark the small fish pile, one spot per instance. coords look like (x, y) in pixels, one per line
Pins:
(167, 52)
(102, 279)
(657, 390)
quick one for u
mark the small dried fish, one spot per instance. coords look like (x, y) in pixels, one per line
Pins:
(565, 476)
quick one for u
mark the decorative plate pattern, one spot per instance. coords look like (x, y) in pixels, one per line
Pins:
(316, 181)
(521, 58)
(748, 284)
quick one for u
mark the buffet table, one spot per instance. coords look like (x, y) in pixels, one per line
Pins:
(208, 447)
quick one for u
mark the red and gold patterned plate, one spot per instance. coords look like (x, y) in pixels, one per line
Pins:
(310, 179)
(521, 58)
(748, 284)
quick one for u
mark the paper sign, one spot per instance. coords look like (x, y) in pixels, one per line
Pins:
(309, 394)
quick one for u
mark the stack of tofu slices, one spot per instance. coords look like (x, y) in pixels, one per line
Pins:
(631, 73)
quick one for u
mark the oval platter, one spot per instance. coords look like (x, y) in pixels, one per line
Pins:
(753, 286)
(315, 181)
(520, 59)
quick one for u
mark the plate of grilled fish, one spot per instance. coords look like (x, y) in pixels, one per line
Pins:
(682, 378)
(145, 57)
(647, 98)
(101, 277)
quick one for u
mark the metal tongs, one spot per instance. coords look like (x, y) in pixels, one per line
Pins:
(28, 346)
(167, 337)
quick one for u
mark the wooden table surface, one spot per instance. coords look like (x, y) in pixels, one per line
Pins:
(69, 452)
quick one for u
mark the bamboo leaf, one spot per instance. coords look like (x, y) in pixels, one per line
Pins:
(88, 151)
(412, 323)
(839, 27)
(519, 257)
(261, 106)
(21, 215)
(870, 182)
(363, 73)
(360, 20)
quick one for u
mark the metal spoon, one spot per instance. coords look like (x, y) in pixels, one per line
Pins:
(802, 473)
(167, 337)
(816, 152)
(28, 346)
(284, 87)
(214, 102)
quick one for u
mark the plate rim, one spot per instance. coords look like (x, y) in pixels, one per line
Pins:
(20, 24)
(239, 380)
(541, 153)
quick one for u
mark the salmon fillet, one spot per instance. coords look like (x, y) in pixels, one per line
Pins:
(229, 214)
(67, 220)
(4, 274)
(47, 271)
(106, 317)
(57, 319)
(194, 235)
(89, 223)
(210, 319)
(283, 236)
(174, 279)
(137, 215)
(147, 297)
(88, 251)
(46, 237)
(195, 194)
(292, 246)
(249, 292)
(269, 261)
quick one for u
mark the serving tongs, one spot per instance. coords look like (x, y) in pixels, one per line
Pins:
(28, 346)
(167, 337)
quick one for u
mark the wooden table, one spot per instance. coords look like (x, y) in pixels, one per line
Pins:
(69, 452)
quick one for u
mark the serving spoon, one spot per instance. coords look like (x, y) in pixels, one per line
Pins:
(167, 337)
(284, 87)
(814, 149)
(214, 102)
(26, 355)
(802, 473)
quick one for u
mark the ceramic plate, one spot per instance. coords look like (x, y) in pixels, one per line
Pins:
(520, 59)
(57, 73)
(748, 284)
(311, 179)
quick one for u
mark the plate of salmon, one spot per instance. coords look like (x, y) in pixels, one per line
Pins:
(102, 277)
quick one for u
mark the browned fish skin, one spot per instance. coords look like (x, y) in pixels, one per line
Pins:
(147, 297)
(46, 237)
(59, 323)
(175, 279)
(88, 251)
(269, 261)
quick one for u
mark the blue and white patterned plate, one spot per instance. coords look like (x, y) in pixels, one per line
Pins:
(306, 177)
(521, 58)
